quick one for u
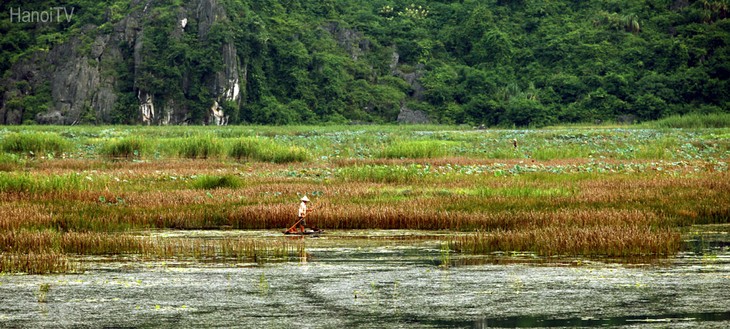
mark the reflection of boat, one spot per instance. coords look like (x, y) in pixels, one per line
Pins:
(308, 231)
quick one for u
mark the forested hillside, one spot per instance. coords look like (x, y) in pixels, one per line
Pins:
(494, 62)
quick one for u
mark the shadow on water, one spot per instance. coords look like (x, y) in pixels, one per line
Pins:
(547, 322)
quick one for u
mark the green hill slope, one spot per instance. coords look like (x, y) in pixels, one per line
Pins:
(278, 62)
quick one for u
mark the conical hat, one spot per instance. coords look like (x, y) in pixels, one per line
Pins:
(305, 199)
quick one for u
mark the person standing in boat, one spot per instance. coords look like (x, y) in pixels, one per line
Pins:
(303, 211)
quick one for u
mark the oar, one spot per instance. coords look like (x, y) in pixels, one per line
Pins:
(295, 224)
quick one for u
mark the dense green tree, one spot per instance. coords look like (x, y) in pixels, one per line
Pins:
(493, 62)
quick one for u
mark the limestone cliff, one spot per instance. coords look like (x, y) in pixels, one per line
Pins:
(83, 72)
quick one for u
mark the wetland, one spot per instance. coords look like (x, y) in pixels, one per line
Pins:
(425, 226)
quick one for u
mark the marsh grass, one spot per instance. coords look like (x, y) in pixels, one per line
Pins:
(208, 182)
(266, 150)
(127, 148)
(568, 204)
(695, 120)
(36, 263)
(563, 152)
(34, 144)
(425, 149)
(382, 174)
(525, 192)
(48, 252)
(10, 162)
(24, 183)
(597, 241)
(196, 147)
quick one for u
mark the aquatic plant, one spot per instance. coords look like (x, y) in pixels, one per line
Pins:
(43, 290)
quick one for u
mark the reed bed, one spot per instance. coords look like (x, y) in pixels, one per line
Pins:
(36, 263)
(126, 148)
(28, 184)
(195, 147)
(208, 182)
(48, 252)
(417, 149)
(714, 120)
(34, 144)
(266, 150)
(605, 241)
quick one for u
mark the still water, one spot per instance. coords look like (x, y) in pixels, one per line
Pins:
(386, 279)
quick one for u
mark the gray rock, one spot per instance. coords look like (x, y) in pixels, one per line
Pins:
(408, 116)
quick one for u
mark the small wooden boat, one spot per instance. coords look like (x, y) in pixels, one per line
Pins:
(309, 231)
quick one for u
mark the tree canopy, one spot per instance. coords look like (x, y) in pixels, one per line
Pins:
(495, 62)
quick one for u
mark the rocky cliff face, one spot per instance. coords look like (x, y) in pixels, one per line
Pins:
(83, 72)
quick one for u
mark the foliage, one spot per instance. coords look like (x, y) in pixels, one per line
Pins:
(498, 63)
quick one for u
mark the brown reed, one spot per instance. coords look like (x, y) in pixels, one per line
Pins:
(48, 251)
(608, 241)
(36, 263)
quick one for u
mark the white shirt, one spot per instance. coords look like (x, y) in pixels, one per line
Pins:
(303, 209)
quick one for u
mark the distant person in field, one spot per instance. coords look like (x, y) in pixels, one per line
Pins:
(303, 211)
(514, 143)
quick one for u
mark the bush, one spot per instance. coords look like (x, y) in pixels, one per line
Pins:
(206, 182)
(34, 143)
(265, 150)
